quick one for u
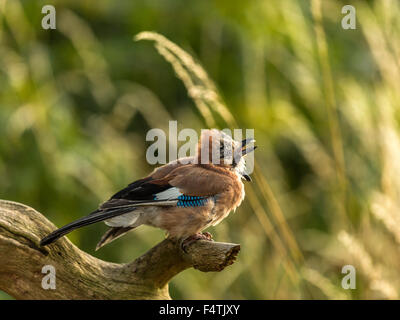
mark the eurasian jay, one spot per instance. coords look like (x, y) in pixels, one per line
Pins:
(183, 197)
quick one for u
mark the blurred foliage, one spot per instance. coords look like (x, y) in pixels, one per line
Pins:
(76, 103)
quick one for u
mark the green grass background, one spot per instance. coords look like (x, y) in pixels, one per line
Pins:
(76, 103)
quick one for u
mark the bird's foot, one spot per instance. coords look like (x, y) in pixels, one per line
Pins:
(186, 242)
(207, 236)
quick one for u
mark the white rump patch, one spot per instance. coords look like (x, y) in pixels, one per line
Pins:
(124, 220)
(169, 194)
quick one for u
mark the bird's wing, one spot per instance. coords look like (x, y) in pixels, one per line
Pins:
(184, 181)
(194, 180)
(142, 189)
(146, 188)
(139, 193)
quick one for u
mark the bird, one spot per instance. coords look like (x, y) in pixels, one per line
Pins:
(182, 197)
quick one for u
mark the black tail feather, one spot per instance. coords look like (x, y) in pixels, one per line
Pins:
(112, 234)
(96, 216)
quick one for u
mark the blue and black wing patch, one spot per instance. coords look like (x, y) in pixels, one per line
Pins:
(191, 201)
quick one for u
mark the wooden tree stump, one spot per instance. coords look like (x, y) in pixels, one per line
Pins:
(82, 276)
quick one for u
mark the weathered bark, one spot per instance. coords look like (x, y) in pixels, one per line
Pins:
(82, 276)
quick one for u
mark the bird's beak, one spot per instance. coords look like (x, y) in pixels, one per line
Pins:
(246, 177)
(246, 150)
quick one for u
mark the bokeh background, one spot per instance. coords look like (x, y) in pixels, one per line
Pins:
(76, 104)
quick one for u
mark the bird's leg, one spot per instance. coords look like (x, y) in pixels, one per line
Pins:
(207, 235)
(185, 242)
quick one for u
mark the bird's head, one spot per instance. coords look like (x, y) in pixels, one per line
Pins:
(218, 148)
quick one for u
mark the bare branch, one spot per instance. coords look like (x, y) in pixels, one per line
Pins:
(82, 276)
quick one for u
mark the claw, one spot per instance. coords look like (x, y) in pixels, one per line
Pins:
(186, 242)
(208, 236)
